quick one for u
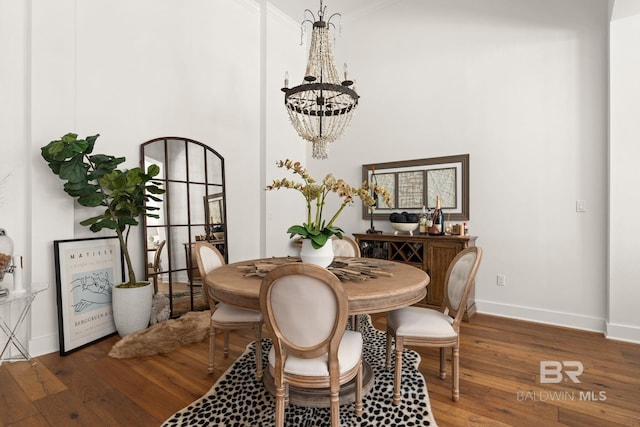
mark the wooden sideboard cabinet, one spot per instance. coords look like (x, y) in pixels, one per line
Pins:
(432, 254)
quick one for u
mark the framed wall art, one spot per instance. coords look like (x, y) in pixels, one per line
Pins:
(86, 271)
(416, 183)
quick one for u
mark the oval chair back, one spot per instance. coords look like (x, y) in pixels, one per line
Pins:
(346, 247)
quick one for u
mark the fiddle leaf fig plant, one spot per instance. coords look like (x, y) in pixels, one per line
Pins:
(94, 180)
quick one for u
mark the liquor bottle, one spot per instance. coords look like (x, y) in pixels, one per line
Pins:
(438, 220)
(423, 221)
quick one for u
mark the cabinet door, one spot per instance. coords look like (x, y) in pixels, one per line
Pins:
(439, 256)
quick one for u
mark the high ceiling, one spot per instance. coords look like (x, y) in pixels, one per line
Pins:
(295, 8)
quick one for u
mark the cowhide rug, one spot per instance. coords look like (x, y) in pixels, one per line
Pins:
(164, 337)
(239, 399)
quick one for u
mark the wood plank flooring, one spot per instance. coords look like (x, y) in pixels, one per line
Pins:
(499, 382)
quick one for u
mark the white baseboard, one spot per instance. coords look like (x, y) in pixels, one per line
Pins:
(616, 331)
(43, 345)
(531, 314)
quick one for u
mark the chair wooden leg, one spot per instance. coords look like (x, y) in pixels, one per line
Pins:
(226, 343)
(397, 378)
(443, 363)
(335, 407)
(258, 331)
(359, 392)
(455, 380)
(286, 394)
(212, 347)
(387, 364)
(280, 401)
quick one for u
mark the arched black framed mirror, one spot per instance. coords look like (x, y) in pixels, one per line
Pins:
(193, 208)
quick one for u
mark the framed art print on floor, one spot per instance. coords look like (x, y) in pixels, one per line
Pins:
(86, 271)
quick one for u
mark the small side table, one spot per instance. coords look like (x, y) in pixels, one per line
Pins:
(21, 302)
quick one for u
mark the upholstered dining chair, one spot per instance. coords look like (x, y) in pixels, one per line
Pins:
(305, 310)
(346, 247)
(154, 269)
(226, 317)
(419, 326)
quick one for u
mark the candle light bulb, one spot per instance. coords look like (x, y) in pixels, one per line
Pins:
(346, 73)
(286, 79)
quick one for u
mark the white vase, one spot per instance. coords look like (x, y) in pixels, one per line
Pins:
(322, 256)
(131, 308)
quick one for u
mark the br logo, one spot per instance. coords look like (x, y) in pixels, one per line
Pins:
(553, 371)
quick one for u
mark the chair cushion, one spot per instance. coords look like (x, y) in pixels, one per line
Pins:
(229, 313)
(349, 354)
(421, 322)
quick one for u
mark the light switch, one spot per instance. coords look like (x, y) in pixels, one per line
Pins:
(580, 206)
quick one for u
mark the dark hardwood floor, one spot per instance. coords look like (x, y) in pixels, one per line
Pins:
(500, 381)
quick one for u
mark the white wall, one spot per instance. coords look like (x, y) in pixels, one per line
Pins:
(14, 172)
(522, 87)
(519, 85)
(133, 72)
(282, 208)
(13, 121)
(624, 272)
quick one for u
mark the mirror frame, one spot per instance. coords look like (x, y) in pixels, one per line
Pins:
(197, 225)
(420, 190)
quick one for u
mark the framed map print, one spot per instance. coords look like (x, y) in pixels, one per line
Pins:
(417, 183)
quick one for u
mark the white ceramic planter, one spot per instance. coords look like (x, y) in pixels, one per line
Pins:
(322, 256)
(131, 308)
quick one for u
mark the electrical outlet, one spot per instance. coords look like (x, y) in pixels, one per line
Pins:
(580, 206)
(501, 280)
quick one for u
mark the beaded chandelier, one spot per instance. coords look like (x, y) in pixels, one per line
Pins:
(320, 108)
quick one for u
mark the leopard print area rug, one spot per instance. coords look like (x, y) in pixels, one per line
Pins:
(239, 399)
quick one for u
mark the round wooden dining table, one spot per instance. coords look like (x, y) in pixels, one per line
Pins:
(395, 286)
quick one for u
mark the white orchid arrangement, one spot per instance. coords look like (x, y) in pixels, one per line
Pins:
(316, 228)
